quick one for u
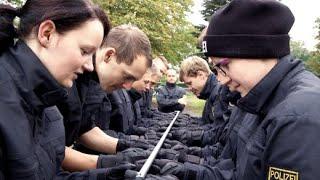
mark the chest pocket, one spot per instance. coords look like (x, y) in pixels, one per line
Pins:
(97, 108)
(52, 142)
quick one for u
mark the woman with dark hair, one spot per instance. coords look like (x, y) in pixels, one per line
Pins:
(41, 54)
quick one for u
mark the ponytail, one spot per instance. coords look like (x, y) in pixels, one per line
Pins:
(7, 30)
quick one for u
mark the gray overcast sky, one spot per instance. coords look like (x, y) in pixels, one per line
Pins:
(305, 12)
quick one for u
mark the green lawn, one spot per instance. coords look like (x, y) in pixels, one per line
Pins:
(194, 105)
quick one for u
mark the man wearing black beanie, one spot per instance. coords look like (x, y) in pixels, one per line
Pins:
(278, 115)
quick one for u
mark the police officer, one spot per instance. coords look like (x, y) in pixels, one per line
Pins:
(145, 102)
(196, 74)
(171, 97)
(50, 53)
(115, 67)
(279, 139)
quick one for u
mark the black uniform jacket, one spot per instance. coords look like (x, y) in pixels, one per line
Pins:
(31, 127)
(277, 133)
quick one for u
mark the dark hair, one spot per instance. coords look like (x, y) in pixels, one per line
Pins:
(67, 15)
(129, 42)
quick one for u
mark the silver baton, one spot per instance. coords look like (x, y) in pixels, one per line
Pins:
(145, 168)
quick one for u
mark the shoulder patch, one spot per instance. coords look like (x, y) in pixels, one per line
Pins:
(282, 174)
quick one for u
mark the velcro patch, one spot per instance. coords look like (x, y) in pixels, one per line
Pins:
(282, 174)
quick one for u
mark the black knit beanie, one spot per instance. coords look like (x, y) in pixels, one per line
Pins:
(249, 29)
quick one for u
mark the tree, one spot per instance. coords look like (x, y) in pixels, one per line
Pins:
(164, 21)
(313, 63)
(298, 51)
(212, 6)
(317, 26)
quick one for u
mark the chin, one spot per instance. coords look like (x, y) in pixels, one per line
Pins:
(67, 84)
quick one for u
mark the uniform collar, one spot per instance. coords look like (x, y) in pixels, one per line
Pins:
(257, 100)
(209, 87)
(170, 85)
(36, 77)
(134, 95)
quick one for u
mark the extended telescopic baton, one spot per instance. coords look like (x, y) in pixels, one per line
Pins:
(145, 168)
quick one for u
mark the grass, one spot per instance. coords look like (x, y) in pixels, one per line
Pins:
(194, 105)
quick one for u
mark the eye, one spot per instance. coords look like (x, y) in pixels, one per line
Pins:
(84, 52)
(128, 78)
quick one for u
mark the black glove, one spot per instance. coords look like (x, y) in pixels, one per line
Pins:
(183, 157)
(107, 161)
(154, 169)
(134, 143)
(118, 172)
(172, 142)
(134, 154)
(151, 135)
(122, 145)
(180, 147)
(188, 137)
(174, 168)
(197, 151)
(168, 154)
(130, 174)
(139, 130)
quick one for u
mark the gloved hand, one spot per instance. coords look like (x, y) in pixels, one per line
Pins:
(108, 161)
(130, 174)
(153, 143)
(168, 154)
(172, 142)
(118, 172)
(184, 157)
(134, 143)
(151, 135)
(188, 137)
(154, 169)
(197, 151)
(174, 168)
(134, 154)
(139, 130)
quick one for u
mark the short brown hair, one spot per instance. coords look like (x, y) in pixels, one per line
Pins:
(191, 65)
(129, 42)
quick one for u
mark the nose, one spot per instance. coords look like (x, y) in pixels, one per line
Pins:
(127, 85)
(88, 65)
(148, 87)
(224, 80)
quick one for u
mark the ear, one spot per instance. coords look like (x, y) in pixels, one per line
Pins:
(45, 32)
(108, 53)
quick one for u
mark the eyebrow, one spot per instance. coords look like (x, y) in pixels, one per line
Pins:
(129, 75)
(89, 48)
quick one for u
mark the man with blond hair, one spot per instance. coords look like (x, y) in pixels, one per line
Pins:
(196, 74)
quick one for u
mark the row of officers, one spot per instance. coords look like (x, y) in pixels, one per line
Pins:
(64, 107)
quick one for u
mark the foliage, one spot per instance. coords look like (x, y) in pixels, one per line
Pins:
(317, 26)
(313, 63)
(164, 21)
(298, 51)
(212, 6)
